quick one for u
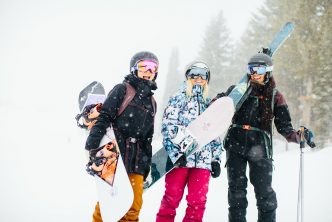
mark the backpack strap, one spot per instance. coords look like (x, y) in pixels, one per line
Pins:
(130, 94)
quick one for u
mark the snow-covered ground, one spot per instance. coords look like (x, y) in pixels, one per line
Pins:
(42, 166)
(49, 49)
(317, 190)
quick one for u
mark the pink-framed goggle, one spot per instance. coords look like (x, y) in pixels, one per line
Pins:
(147, 65)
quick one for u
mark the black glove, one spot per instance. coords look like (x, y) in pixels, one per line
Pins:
(308, 136)
(219, 95)
(181, 162)
(215, 169)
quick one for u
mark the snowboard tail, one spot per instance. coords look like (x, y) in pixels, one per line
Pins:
(94, 88)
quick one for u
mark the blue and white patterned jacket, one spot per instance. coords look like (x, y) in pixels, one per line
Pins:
(180, 111)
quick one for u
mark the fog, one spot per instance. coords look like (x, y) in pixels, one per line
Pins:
(50, 50)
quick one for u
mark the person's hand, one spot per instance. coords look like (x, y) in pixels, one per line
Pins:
(308, 136)
(219, 95)
(215, 169)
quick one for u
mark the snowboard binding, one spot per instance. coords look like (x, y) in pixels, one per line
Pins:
(182, 139)
(103, 162)
(89, 115)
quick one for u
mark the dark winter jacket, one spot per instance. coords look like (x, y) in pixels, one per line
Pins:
(133, 128)
(258, 112)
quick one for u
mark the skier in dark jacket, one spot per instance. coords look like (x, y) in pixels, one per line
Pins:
(249, 141)
(133, 128)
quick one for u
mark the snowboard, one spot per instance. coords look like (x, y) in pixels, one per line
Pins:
(215, 120)
(115, 194)
(205, 128)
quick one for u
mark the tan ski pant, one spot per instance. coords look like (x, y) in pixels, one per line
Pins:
(133, 213)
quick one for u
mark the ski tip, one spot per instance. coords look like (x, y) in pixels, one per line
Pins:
(290, 26)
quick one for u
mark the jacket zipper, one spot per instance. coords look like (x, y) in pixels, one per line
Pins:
(199, 113)
(250, 117)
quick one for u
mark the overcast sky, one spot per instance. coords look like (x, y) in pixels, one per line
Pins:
(56, 47)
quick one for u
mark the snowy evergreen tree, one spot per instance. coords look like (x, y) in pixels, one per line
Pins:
(216, 51)
(174, 77)
(323, 83)
(302, 66)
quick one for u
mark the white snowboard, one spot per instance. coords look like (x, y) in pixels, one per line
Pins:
(114, 201)
(213, 122)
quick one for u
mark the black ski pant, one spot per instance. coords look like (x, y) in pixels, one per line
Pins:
(260, 175)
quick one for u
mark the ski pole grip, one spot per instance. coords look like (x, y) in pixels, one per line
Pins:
(302, 139)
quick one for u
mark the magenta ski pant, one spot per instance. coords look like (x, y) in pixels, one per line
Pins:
(197, 181)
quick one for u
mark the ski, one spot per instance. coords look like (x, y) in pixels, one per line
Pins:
(242, 87)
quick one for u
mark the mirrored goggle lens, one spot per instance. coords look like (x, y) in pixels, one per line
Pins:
(198, 72)
(259, 69)
(147, 65)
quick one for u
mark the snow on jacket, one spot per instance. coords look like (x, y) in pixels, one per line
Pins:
(180, 111)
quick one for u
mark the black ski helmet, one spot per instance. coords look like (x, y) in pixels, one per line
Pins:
(198, 64)
(143, 55)
(262, 59)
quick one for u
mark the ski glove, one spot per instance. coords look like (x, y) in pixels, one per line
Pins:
(181, 162)
(219, 95)
(308, 136)
(215, 169)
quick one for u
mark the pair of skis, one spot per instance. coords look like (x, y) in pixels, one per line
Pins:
(116, 197)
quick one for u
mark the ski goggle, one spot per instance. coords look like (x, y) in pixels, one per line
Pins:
(259, 69)
(147, 65)
(196, 72)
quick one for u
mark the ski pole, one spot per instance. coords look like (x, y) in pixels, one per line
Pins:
(300, 194)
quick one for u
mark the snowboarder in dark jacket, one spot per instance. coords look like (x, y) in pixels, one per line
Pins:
(249, 141)
(133, 128)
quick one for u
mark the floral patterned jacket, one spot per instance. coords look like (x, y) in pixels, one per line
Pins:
(180, 111)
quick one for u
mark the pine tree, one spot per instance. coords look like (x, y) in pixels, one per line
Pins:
(174, 77)
(216, 51)
(322, 106)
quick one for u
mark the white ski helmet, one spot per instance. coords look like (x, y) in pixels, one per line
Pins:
(200, 65)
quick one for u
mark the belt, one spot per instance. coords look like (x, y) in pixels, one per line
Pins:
(267, 137)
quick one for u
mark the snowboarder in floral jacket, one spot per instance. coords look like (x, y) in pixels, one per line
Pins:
(194, 170)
